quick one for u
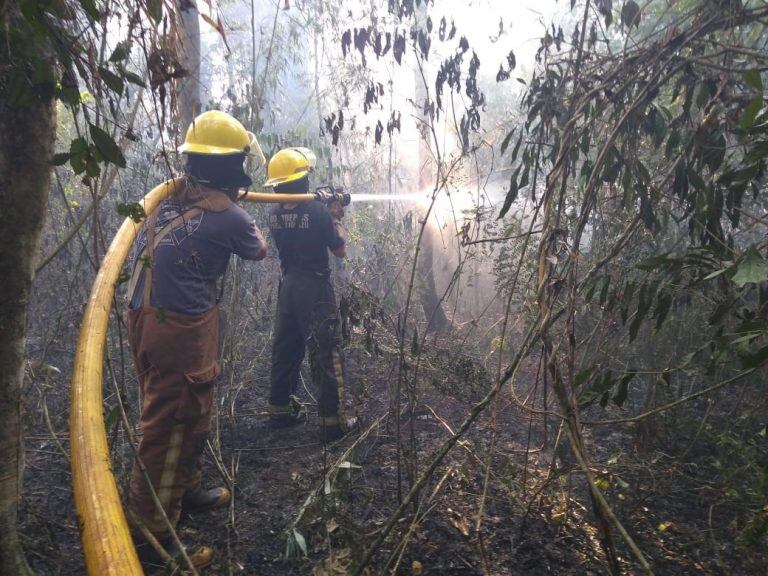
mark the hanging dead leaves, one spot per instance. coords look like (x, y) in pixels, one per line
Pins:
(405, 8)
(454, 72)
(334, 124)
(451, 74)
(393, 123)
(504, 74)
(380, 42)
(372, 94)
(441, 32)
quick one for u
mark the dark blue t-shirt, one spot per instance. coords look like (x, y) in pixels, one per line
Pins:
(189, 261)
(303, 235)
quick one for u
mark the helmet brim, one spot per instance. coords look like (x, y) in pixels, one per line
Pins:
(206, 149)
(286, 179)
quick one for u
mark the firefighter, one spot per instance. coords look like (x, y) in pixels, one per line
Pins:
(173, 323)
(307, 315)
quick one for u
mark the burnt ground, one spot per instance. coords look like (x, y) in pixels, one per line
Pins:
(677, 514)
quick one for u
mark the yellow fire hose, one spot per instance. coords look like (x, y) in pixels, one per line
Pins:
(107, 542)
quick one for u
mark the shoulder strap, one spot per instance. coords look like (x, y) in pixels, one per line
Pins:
(153, 241)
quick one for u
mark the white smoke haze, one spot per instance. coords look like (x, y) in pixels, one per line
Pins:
(303, 77)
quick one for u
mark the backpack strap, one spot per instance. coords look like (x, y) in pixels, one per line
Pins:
(153, 241)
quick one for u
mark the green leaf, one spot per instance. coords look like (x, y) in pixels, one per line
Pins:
(656, 262)
(751, 112)
(132, 210)
(584, 143)
(754, 79)
(107, 146)
(681, 183)
(756, 529)
(599, 388)
(511, 195)
(155, 8)
(92, 168)
(121, 51)
(79, 155)
(672, 143)
(757, 153)
(627, 183)
(516, 149)
(592, 286)
(716, 273)
(663, 304)
(630, 14)
(33, 14)
(506, 140)
(610, 173)
(90, 9)
(524, 178)
(111, 418)
(695, 179)
(623, 391)
(752, 270)
(714, 152)
(60, 159)
(302, 543)
(583, 376)
(123, 277)
(112, 80)
(604, 289)
(754, 359)
(643, 306)
(133, 78)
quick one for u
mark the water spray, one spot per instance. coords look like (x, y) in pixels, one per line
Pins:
(328, 195)
(410, 197)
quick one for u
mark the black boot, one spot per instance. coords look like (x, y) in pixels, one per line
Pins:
(286, 416)
(201, 500)
(332, 432)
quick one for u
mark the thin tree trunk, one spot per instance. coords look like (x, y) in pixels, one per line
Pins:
(188, 87)
(27, 132)
(428, 173)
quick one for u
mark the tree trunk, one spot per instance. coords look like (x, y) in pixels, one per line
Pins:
(428, 174)
(188, 52)
(27, 133)
(437, 321)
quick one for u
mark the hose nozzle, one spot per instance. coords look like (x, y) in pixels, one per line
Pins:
(329, 194)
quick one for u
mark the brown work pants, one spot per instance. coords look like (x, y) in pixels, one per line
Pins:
(176, 360)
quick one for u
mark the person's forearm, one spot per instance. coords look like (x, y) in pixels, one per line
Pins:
(260, 245)
(341, 251)
(339, 226)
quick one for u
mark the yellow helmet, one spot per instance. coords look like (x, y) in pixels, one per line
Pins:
(290, 164)
(217, 133)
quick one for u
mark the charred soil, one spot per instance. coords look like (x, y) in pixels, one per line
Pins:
(302, 508)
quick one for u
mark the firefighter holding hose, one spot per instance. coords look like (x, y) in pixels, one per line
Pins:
(173, 324)
(307, 315)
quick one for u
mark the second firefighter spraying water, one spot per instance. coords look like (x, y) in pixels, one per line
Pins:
(307, 315)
